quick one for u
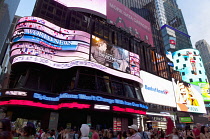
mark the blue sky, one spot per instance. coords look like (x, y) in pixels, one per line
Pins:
(195, 12)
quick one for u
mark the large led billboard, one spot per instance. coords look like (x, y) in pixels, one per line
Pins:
(157, 90)
(188, 97)
(36, 36)
(114, 57)
(97, 7)
(189, 63)
(116, 14)
(122, 17)
(39, 41)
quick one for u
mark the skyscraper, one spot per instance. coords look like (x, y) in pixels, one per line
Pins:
(204, 49)
(7, 12)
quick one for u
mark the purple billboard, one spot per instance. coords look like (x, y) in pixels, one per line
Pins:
(122, 17)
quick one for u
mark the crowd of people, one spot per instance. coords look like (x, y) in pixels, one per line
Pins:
(86, 132)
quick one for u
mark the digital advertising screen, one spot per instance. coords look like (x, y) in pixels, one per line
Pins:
(189, 63)
(157, 90)
(97, 7)
(43, 38)
(114, 57)
(188, 97)
(109, 55)
(122, 17)
(66, 35)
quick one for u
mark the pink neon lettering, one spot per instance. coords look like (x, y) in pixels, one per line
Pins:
(38, 104)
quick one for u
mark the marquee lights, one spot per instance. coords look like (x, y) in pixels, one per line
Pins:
(91, 98)
(41, 105)
(129, 110)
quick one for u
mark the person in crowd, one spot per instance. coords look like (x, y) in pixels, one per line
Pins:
(162, 134)
(174, 135)
(100, 134)
(29, 131)
(119, 135)
(94, 133)
(50, 135)
(188, 134)
(5, 129)
(134, 132)
(44, 134)
(105, 134)
(128, 134)
(110, 133)
(142, 134)
(204, 134)
(85, 129)
(124, 135)
(149, 133)
(196, 130)
(60, 133)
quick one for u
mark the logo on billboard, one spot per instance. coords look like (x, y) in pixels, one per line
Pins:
(155, 89)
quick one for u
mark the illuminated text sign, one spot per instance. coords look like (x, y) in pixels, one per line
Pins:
(91, 98)
(16, 93)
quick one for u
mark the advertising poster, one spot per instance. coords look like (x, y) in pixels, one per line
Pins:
(188, 97)
(109, 55)
(157, 90)
(134, 64)
(122, 17)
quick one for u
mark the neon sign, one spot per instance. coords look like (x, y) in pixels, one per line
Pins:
(91, 98)
(41, 105)
(129, 110)
(16, 93)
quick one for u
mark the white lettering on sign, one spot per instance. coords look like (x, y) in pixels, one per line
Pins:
(16, 93)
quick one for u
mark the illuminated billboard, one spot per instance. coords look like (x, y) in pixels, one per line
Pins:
(123, 17)
(114, 57)
(189, 63)
(39, 41)
(36, 36)
(97, 7)
(188, 97)
(157, 90)
(116, 14)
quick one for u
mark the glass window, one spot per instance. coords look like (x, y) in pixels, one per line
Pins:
(86, 82)
(183, 73)
(200, 72)
(191, 80)
(103, 85)
(185, 58)
(117, 89)
(200, 80)
(130, 91)
(184, 65)
(177, 61)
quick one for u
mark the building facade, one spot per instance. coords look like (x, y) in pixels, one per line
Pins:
(204, 49)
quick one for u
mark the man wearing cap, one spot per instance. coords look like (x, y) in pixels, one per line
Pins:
(134, 132)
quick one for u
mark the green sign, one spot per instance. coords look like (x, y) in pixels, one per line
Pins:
(185, 120)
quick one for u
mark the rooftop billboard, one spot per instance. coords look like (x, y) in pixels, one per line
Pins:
(116, 14)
